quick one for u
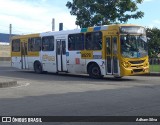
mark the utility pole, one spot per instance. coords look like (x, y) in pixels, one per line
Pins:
(10, 32)
(53, 24)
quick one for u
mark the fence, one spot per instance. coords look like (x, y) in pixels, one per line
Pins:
(5, 56)
(154, 65)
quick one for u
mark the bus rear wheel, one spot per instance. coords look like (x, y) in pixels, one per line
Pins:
(38, 67)
(94, 71)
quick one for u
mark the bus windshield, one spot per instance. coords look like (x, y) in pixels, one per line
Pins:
(133, 46)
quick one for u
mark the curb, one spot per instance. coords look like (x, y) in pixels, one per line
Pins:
(149, 74)
(8, 83)
(154, 74)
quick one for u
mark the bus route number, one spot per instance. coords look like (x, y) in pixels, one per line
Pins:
(86, 55)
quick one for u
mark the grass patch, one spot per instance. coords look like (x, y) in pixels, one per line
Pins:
(154, 68)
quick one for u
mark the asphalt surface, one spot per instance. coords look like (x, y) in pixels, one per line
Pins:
(78, 95)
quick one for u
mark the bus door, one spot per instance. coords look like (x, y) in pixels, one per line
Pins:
(61, 55)
(112, 55)
(24, 54)
(48, 54)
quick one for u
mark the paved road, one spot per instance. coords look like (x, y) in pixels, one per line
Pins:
(72, 95)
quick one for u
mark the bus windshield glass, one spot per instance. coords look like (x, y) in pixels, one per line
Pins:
(133, 46)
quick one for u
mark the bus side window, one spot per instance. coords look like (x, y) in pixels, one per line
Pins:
(30, 46)
(76, 42)
(51, 43)
(34, 44)
(97, 40)
(48, 43)
(89, 43)
(37, 44)
(71, 44)
(94, 41)
(79, 44)
(16, 45)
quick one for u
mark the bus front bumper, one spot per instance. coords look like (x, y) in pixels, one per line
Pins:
(134, 71)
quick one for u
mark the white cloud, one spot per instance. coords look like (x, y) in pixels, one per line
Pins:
(154, 23)
(157, 22)
(33, 17)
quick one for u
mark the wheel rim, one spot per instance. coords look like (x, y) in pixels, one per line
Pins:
(38, 67)
(95, 71)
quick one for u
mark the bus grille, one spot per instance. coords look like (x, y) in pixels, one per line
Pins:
(137, 70)
(137, 62)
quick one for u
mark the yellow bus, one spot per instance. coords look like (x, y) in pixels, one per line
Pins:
(113, 50)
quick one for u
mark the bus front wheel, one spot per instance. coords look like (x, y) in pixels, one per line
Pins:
(38, 67)
(94, 71)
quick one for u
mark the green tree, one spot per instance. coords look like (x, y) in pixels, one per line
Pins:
(101, 12)
(153, 35)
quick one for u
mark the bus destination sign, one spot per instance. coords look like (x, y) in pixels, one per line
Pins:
(132, 30)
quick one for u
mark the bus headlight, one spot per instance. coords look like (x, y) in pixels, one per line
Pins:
(147, 64)
(126, 64)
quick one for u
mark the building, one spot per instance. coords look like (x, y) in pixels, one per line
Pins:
(4, 47)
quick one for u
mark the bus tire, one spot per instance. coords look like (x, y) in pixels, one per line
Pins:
(94, 71)
(38, 67)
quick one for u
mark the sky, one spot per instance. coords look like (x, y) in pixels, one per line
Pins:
(35, 16)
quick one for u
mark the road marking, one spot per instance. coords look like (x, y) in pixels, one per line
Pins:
(23, 85)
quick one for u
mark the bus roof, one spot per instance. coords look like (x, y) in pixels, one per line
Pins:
(83, 30)
(25, 36)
